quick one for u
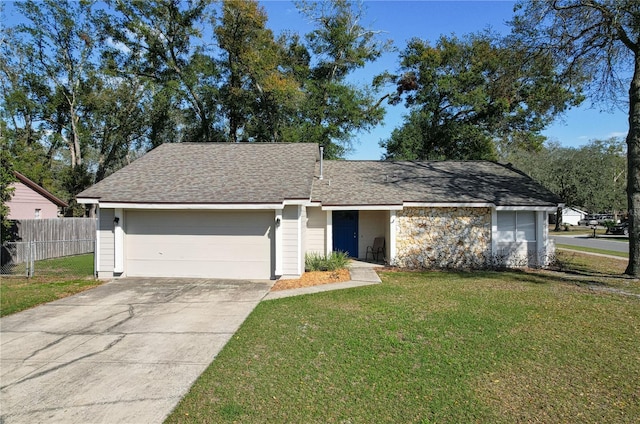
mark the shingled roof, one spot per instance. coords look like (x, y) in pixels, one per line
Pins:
(347, 183)
(210, 173)
(267, 173)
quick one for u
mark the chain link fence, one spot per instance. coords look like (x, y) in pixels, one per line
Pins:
(58, 257)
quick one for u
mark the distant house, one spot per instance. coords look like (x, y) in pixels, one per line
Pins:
(31, 201)
(252, 211)
(571, 215)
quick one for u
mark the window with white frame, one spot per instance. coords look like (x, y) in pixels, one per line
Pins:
(516, 226)
(37, 214)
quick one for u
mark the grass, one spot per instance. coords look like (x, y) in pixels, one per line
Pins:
(445, 347)
(592, 250)
(575, 230)
(54, 279)
(607, 275)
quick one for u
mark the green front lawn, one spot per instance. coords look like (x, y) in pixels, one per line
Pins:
(498, 347)
(53, 279)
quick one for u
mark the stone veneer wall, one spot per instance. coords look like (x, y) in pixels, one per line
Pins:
(458, 238)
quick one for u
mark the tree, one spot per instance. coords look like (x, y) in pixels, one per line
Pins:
(117, 119)
(44, 70)
(160, 41)
(256, 96)
(598, 40)
(334, 109)
(59, 37)
(6, 191)
(25, 104)
(591, 177)
(468, 95)
(69, 122)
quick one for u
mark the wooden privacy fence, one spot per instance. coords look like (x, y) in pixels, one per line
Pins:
(37, 239)
(53, 229)
(21, 257)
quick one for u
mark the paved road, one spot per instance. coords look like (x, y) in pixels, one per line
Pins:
(598, 243)
(124, 352)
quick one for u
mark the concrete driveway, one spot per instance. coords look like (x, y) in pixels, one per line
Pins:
(126, 351)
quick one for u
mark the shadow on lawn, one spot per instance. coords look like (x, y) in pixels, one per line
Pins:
(577, 276)
(600, 281)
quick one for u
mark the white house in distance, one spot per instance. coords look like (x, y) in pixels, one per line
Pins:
(31, 201)
(253, 210)
(571, 215)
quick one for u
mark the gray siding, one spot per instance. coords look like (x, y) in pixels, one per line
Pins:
(106, 238)
(290, 239)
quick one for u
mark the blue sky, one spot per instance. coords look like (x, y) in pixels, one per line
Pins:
(402, 20)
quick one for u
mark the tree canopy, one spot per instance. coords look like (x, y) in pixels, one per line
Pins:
(592, 177)
(596, 44)
(88, 86)
(467, 96)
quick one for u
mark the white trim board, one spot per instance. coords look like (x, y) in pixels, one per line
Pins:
(193, 206)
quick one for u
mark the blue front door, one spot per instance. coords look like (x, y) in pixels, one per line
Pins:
(345, 232)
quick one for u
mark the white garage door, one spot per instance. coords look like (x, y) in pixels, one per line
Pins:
(198, 244)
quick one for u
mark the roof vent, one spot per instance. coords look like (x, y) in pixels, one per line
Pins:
(321, 158)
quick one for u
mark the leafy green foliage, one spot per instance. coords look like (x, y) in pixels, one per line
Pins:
(596, 44)
(256, 95)
(333, 109)
(592, 177)
(86, 87)
(329, 262)
(465, 95)
(6, 191)
(161, 43)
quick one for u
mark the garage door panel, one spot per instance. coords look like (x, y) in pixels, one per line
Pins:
(199, 244)
(198, 269)
(184, 248)
(205, 229)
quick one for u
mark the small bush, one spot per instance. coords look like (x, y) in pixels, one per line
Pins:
(330, 262)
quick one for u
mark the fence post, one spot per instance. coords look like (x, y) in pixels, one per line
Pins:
(32, 256)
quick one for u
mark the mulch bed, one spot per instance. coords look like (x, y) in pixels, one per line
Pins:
(313, 278)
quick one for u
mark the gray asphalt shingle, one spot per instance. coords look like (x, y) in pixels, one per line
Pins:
(213, 173)
(392, 183)
(246, 173)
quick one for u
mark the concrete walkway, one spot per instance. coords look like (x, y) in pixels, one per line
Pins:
(362, 274)
(124, 352)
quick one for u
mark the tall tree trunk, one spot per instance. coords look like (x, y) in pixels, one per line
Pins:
(633, 175)
(558, 219)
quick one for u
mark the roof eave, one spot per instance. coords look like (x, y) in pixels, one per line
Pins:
(40, 190)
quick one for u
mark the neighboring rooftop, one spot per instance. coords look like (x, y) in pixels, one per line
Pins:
(347, 183)
(207, 173)
(40, 190)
